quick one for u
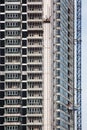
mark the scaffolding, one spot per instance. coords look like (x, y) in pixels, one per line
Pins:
(78, 63)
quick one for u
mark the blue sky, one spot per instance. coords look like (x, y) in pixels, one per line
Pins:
(84, 64)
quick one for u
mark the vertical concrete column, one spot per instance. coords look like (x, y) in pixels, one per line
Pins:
(47, 65)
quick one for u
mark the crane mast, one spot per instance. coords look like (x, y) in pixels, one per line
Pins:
(78, 63)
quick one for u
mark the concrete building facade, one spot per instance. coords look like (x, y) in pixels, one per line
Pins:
(36, 64)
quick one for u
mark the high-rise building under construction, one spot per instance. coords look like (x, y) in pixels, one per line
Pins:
(36, 64)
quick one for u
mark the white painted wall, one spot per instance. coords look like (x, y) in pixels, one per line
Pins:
(47, 68)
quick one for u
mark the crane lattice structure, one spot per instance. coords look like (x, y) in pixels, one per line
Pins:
(78, 63)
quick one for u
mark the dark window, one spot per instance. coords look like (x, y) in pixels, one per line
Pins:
(58, 48)
(2, 77)
(1, 122)
(58, 7)
(24, 1)
(58, 81)
(1, 34)
(1, 95)
(58, 23)
(24, 118)
(23, 102)
(24, 111)
(58, 64)
(1, 111)
(2, 52)
(1, 103)
(58, 122)
(1, 86)
(58, 56)
(2, 25)
(24, 34)
(1, 60)
(2, 8)
(24, 60)
(68, 18)
(58, 40)
(24, 68)
(1, 68)
(23, 127)
(24, 26)
(58, 16)
(24, 51)
(24, 94)
(24, 9)
(24, 77)
(1, 1)
(24, 42)
(1, 43)
(58, 31)
(24, 85)
(2, 18)
(24, 17)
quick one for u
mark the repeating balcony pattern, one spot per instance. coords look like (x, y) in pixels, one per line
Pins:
(34, 65)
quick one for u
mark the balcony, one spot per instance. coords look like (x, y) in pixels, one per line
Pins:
(12, 28)
(34, 20)
(12, 80)
(35, 28)
(34, 115)
(37, 88)
(12, 123)
(35, 97)
(35, 37)
(12, 11)
(35, 54)
(34, 45)
(11, 106)
(35, 63)
(35, 123)
(12, 97)
(34, 2)
(34, 71)
(12, 2)
(12, 88)
(35, 80)
(11, 45)
(12, 54)
(9, 20)
(34, 106)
